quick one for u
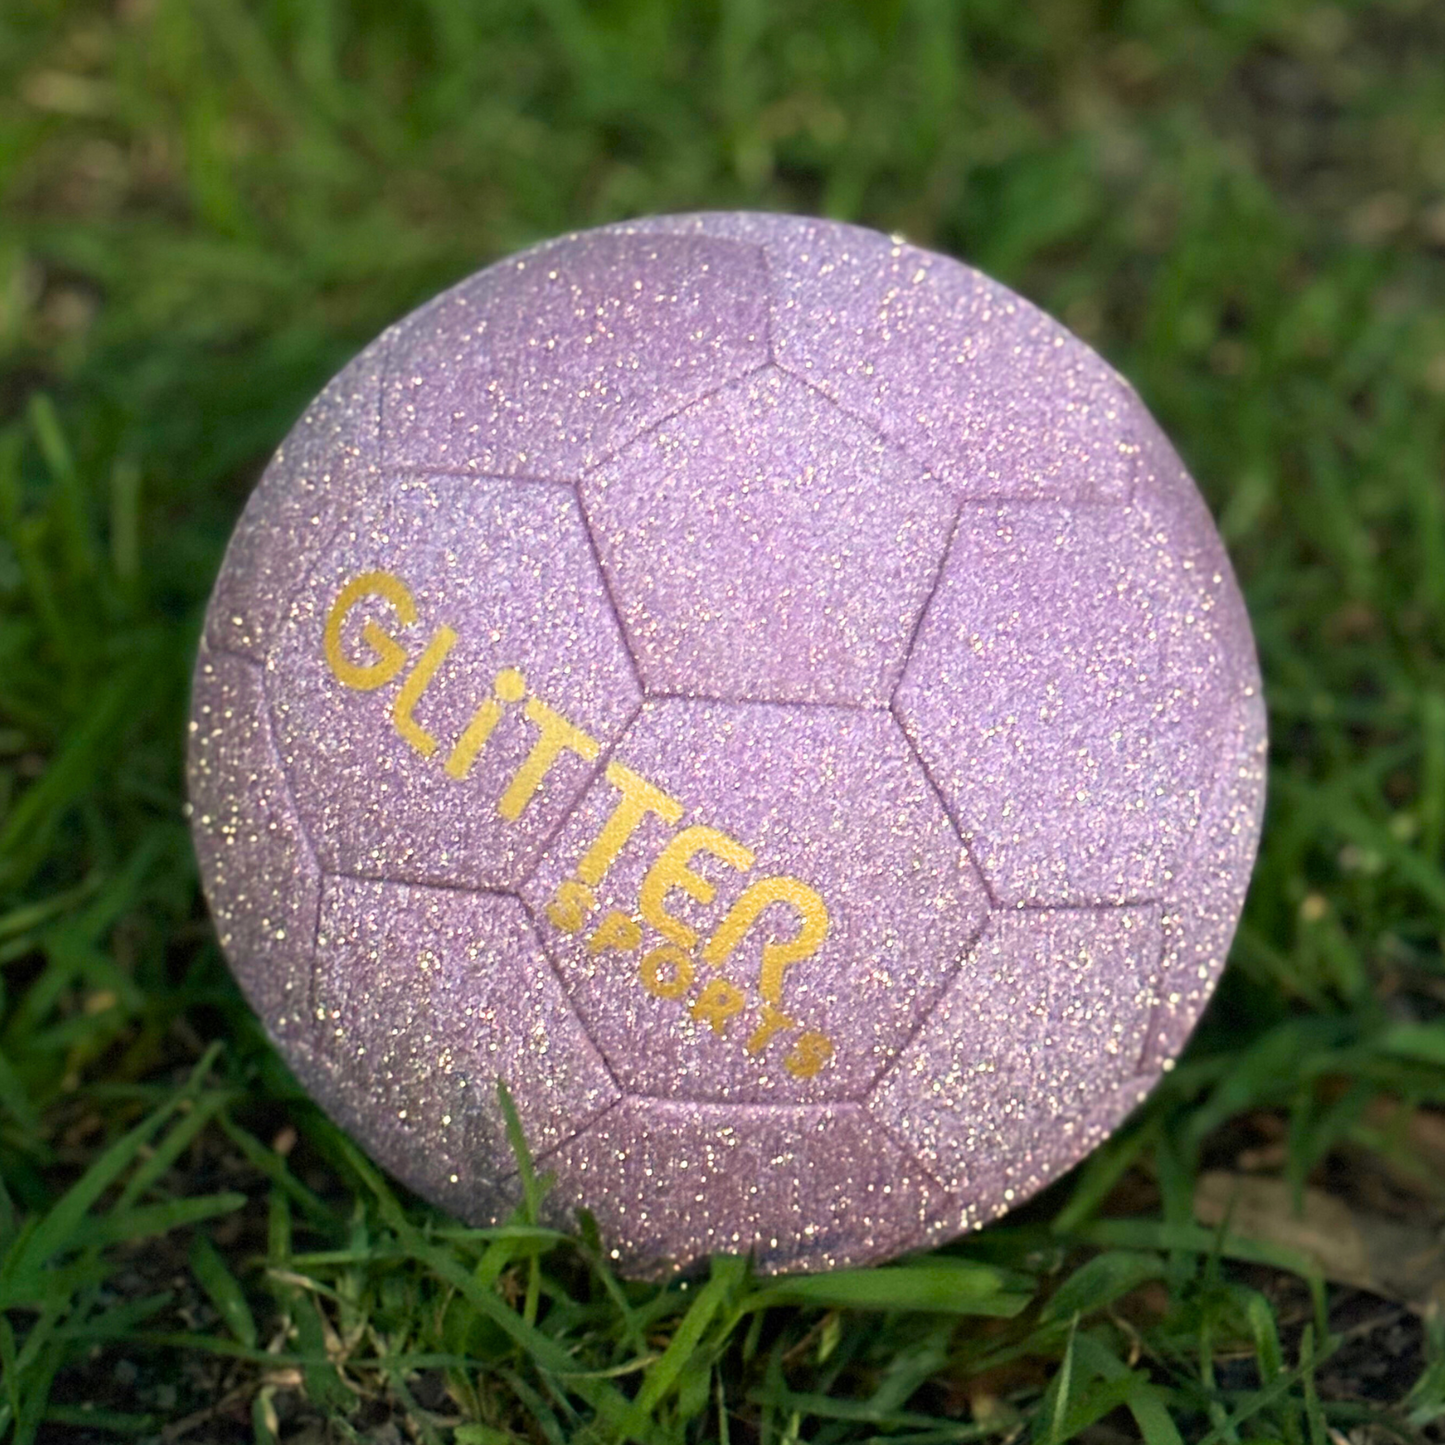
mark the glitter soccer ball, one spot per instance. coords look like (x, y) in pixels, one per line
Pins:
(764, 691)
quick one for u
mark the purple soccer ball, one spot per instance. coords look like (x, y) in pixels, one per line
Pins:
(764, 691)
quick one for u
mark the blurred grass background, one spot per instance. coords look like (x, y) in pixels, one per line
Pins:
(207, 205)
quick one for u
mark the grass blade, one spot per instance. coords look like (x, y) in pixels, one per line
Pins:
(1100, 1282)
(944, 1285)
(128, 1225)
(728, 1274)
(65, 1226)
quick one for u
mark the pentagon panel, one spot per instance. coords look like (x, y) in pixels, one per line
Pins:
(820, 546)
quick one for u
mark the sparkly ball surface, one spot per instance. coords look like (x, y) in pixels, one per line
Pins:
(763, 690)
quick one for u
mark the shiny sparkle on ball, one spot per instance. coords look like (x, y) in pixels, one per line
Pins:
(764, 691)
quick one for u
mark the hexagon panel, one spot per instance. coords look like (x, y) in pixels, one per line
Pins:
(1206, 893)
(809, 1189)
(1046, 1017)
(763, 546)
(448, 680)
(756, 902)
(327, 460)
(990, 394)
(426, 997)
(1065, 691)
(542, 365)
(1048, 1156)
(260, 879)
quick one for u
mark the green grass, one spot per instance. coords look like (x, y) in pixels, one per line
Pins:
(207, 205)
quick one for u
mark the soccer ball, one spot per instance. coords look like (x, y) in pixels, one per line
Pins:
(762, 690)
